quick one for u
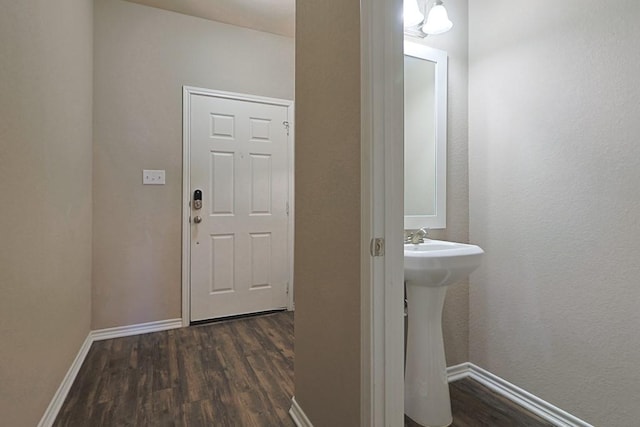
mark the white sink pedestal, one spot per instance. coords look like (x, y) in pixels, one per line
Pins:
(426, 389)
(429, 268)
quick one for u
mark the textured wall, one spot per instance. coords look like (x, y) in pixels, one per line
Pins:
(554, 172)
(143, 57)
(327, 218)
(455, 316)
(45, 193)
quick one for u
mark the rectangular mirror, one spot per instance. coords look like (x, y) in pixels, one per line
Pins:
(425, 136)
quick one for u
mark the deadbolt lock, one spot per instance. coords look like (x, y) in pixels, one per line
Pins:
(197, 199)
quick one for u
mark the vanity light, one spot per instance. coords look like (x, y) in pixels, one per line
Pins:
(438, 21)
(412, 14)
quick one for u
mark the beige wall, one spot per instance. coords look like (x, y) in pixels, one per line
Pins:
(455, 42)
(143, 57)
(45, 192)
(327, 219)
(554, 172)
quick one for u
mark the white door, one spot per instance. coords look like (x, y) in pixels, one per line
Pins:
(239, 236)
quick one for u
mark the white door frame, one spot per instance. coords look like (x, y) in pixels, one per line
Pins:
(382, 291)
(187, 92)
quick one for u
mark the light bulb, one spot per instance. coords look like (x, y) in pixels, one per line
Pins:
(437, 21)
(412, 14)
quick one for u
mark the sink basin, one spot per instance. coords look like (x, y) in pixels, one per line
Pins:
(439, 263)
(429, 268)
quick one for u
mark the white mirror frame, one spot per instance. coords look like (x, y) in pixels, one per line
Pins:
(439, 57)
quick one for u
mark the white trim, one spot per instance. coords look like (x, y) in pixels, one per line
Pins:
(440, 59)
(291, 115)
(140, 328)
(238, 96)
(523, 398)
(187, 91)
(458, 372)
(186, 209)
(51, 413)
(382, 297)
(297, 414)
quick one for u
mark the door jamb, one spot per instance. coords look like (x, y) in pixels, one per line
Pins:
(187, 92)
(382, 181)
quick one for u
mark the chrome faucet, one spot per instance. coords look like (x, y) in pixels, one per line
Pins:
(415, 236)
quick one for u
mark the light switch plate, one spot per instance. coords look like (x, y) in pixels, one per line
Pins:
(153, 177)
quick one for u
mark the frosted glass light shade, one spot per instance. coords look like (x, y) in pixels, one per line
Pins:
(437, 21)
(412, 14)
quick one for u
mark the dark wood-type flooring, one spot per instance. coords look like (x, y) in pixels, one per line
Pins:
(234, 373)
(474, 405)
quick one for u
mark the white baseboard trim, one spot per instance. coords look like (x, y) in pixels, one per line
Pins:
(52, 410)
(458, 372)
(297, 415)
(534, 404)
(140, 328)
(100, 334)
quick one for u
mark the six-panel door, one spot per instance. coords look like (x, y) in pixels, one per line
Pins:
(239, 249)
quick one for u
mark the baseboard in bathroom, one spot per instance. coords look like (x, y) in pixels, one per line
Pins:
(458, 372)
(523, 398)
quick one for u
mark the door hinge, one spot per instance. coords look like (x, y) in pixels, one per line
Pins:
(286, 126)
(376, 246)
(287, 208)
(287, 288)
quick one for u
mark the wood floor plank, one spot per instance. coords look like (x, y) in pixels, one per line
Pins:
(199, 413)
(274, 394)
(172, 361)
(192, 386)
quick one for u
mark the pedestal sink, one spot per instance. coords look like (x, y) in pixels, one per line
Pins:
(429, 268)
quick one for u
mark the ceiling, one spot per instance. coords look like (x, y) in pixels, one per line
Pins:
(272, 16)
